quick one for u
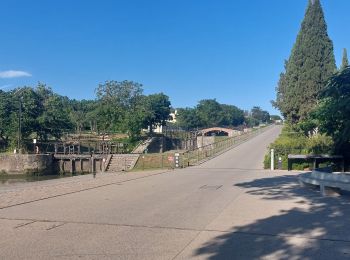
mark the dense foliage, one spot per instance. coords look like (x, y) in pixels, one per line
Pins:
(260, 115)
(312, 96)
(308, 68)
(293, 141)
(333, 114)
(157, 110)
(38, 113)
(210, 113)
(120, 107)
(27, 113)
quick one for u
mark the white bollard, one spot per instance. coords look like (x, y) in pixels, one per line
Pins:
(272, 159)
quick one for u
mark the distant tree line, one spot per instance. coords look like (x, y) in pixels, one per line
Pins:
(120, 107)
(209, 113)
(28, 113)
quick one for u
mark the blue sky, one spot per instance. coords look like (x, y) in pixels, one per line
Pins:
(231, 50)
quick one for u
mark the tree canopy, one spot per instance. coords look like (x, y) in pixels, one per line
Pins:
(27, 113)
(260, 115)
(209, 113)
(120, 107)
(157, 110)
(188, 118)
(333, 113)
(308, 68)
(32, 113)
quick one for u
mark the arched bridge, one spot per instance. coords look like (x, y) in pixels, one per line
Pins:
(228, 131)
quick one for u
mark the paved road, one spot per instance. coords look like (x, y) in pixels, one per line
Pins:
(226, 208)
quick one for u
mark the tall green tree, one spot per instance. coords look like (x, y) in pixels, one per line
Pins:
(7, 120)
(345, 61)
(309, 66)
(80, 112)
(210, 112)
(188, 118)
(115, 99)
(232, 115)
(134, 118)
(53, 117)
(31, 106)
(156, 110)
(260, 115)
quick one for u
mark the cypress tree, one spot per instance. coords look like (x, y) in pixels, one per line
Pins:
(345, 61)
(309, 66)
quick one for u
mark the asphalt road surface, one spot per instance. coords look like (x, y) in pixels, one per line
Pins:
(226, 208)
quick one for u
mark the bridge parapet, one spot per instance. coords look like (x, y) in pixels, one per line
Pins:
(230, 132)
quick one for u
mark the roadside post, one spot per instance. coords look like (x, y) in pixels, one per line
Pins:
(177, 156)
(34, 144)
(280, 163)
(272, 159)
(103, 164)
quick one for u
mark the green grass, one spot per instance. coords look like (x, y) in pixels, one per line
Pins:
(155, 161)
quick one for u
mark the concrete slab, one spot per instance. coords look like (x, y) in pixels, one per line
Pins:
(92, 241)
(230, 245)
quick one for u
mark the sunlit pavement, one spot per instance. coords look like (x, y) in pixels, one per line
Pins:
(226, 208)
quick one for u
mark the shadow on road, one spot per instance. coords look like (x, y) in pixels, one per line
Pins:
(314, 228)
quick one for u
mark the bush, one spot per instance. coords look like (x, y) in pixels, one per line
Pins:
(319, 144)
(294, 141)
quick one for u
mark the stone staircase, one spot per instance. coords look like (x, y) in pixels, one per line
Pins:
(142, 146)
(122, 162)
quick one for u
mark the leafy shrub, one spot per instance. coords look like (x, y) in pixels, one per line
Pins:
(320, 144)
(294, 141)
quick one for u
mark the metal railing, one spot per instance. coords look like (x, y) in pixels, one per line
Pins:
(202, 154)
(196, 156)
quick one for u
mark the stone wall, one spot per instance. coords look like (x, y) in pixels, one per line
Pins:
(26, 163)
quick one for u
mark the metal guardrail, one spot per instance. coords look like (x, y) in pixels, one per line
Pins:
(327, 181)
